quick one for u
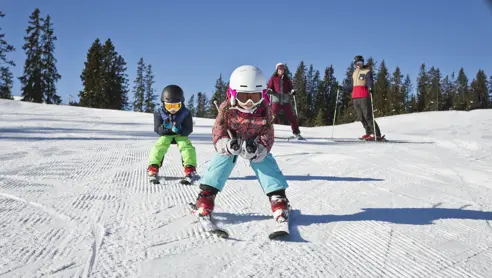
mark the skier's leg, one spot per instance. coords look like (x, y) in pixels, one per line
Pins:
(218, 172)
(273, 183)
(367, 114)
(157, 153)
(292, 119)
(360, 115)
(269, 175)
(213, 181)
(276, 111)
(188, 154)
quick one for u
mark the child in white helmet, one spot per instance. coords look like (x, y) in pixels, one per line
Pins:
(244, 128)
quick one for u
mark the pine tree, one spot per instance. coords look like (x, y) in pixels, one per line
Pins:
(347, 113)
(407, 89)
(6, 76)
(311, 88)
(6, 83)
(422, 89)
(302, 100)
(382, 92)
(114, 78)
(396, 98)
(92, 93)
(191, 105)
(5, 47)
(480, 89)
(461, 100)
(220, 94)
(139, 87)
(50, 73)
(201, 106)
(490, 90)
(32, 78)
(435, 89)
(150, 96)
(447, 93)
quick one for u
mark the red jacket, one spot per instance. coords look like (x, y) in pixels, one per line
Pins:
(274, 84)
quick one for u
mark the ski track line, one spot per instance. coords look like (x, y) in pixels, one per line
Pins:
(401, 248)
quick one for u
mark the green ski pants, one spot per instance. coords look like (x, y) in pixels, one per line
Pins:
(160, 148)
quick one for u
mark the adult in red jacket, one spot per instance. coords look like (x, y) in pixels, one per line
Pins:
(281, 91)
(361, 98)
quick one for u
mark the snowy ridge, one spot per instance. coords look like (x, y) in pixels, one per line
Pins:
(75, 201)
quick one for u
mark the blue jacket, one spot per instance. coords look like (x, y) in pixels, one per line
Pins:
(165, 121)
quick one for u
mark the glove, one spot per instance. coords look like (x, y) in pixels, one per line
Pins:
(175, 129)
(168, 125)
(227, 146)
(293, 92)
(253, 152)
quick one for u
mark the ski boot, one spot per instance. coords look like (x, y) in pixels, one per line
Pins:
(205, 203)
(190, 175)
(375, 138)
(365, 137)
(153, 172)
(298, 136)
(280, 208)
(203, 210)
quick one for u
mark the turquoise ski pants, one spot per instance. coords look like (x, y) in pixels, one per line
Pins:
(267, 172)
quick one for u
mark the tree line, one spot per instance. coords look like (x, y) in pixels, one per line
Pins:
(320, 96)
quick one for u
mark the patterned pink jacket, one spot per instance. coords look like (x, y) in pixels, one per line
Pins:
(244, 125)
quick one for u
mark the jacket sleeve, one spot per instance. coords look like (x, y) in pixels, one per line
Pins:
(220, 127)
(187, 126)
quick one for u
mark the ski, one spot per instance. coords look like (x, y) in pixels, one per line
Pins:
(208, 224)
(189, 180)
(155, 180)
(288, 138)
(280, 230)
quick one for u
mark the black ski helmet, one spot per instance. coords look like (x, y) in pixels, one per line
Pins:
(358, 58)
(172, 94)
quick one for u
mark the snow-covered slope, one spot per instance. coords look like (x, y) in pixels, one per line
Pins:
(75, 201)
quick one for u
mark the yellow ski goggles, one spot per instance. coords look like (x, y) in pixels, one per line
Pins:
(172, 107)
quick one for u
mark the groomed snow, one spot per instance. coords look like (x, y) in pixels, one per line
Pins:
(75, 201)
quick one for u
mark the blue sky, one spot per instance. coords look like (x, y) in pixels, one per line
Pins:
(190, 43)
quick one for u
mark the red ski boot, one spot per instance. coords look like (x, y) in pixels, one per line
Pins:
(153, 170)
(190, 171)
(205, 203)
(280, 208)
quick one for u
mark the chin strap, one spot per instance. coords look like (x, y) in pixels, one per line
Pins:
(244, 110)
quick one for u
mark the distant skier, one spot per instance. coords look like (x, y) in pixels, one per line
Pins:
(174, 123)
(282, 89)
(361, 98)
(243, 127)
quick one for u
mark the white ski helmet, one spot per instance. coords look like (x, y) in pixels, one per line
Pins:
(247, 79)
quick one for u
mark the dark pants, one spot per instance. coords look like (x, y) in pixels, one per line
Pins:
(287, 108)
(363, 109)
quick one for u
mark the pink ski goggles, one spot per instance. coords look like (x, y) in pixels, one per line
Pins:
(243, 97)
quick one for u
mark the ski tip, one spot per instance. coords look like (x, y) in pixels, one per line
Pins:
(220, 233)
(278, 235)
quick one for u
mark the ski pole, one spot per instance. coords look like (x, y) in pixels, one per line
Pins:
(373, 119)
(295, 106)
(235, 146)
(335, 113)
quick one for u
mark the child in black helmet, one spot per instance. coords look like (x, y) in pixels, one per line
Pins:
(174, 123)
